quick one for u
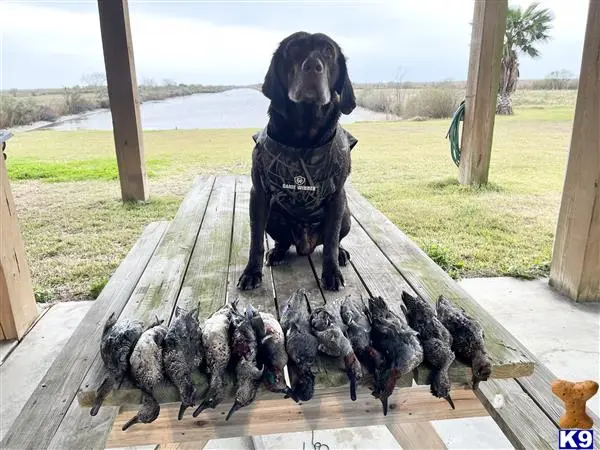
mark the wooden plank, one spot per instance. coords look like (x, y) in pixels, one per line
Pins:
(80, 430)
(489, 24)
(263, 297)
(327, 410)
(575, 268)
(296, 272)
(122, 94)
(510, 359)
(416, 436)
(524, 424)
(36, 353)
(44, 411)
(160, 284)
(17, 302)
(205, 281)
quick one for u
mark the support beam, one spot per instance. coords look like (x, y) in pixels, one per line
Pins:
(487, 39)
(17, 302)
(575, 268)
(123, 97)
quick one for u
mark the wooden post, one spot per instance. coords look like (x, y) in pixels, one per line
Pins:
(487, 39)
(122, 93)
(17, 302)
(575, 268)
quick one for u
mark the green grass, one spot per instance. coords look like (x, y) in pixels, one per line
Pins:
(77, 231)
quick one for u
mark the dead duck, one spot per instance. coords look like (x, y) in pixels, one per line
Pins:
(356, 316)
(326, 324)
(147, 370)
(244, 350)
(397, 343)
(436, 341)
(215, 339)
(182, 353)
(467, 339)
(271, 351)
(301, 346)
(118, 340)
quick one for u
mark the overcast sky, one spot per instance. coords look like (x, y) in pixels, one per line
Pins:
(52, 43)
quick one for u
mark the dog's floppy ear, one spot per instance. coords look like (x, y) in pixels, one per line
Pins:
(272, 87)
(344, 87)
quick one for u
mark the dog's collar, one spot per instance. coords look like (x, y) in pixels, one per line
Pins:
(341, 138)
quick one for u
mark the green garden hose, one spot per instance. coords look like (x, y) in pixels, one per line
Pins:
(453, 133)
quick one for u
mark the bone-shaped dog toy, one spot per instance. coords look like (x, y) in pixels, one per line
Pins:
(575, 396)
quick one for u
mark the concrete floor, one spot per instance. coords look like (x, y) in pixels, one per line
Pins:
(564, 335)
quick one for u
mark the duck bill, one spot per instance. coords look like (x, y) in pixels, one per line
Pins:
(384, 403)
(130, 422)
(352, 380)
(200, 408)
(289, 393)
(449, 400)
(233, 409)
(182, 409)
(101, 394)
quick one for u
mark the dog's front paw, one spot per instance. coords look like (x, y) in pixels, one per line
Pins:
(249, 280)
(332, 279)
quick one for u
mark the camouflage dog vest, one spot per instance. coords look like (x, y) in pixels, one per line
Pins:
(300, 179)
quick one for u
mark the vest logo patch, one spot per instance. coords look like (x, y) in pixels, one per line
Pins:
(300, 185)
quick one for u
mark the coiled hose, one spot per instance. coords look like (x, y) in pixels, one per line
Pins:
(453, 134)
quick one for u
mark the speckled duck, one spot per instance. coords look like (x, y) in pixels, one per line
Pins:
(436, 341)
(326, 324)
(467, 339)
(397, 343)
(118, 340)
(271, 351)
(182, 354)
(244, 350)
(301, 346)
(215, 339)
(147, 370)
(356, 316)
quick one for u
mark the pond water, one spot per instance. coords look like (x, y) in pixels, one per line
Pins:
(236, 108)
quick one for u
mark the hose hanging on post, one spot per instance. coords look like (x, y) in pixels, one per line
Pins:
(453, 133)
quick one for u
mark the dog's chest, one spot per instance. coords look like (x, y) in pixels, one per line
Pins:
(300, 180)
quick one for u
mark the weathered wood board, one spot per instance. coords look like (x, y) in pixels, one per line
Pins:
(43, 413)
(524, 424)
(327, 410)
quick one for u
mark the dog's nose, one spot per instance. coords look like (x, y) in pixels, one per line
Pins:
(312, 64)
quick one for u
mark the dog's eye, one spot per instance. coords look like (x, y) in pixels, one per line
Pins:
(328, 51)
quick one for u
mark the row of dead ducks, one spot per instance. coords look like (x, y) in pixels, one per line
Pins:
(389, 343)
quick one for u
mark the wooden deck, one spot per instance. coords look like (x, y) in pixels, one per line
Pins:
(196, 260)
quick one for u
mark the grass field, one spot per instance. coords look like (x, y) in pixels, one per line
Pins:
(77, 231)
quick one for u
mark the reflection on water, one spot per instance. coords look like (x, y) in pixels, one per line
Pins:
(237, 108)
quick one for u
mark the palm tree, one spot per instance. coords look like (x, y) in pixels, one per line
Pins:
(524, 30)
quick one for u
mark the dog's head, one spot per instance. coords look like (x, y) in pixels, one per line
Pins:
(311, 69)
